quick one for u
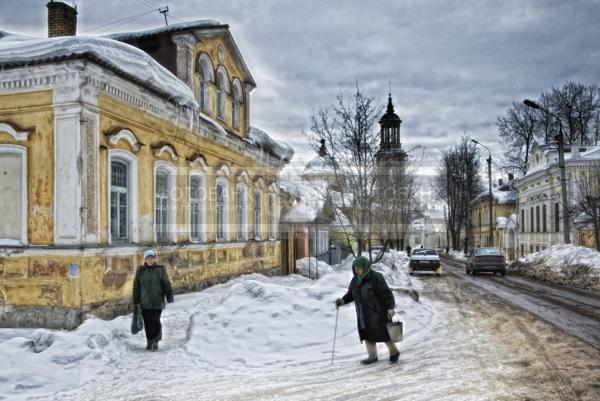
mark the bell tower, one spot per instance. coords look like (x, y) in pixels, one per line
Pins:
(390, 128)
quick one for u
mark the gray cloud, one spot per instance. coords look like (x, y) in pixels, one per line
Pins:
(454, 66)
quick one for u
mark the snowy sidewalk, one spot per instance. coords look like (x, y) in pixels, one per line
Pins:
(251, 325)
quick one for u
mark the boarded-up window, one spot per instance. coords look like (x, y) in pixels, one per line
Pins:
(11, 197)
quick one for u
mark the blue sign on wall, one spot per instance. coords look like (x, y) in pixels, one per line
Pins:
(73, 270)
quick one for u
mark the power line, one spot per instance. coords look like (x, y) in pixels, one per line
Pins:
(119, 22)
(154, 6)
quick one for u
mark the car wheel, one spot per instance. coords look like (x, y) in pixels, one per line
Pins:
(503, 273)
(473, 272)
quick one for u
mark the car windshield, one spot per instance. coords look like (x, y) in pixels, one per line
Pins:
(488, 251)
(424, 252)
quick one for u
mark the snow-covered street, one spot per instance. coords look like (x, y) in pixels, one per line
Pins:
(260, 337)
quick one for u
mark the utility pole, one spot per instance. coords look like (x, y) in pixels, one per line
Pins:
(491, 203)
(164, 11)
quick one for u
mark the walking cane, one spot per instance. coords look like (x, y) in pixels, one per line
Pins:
(337, 311)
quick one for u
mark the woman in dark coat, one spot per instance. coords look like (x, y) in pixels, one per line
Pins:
(150, 287)
(374, 303)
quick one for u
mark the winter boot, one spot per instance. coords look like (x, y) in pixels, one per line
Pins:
(148, 345)
(154, 346)
(369, 361)
(394, 357)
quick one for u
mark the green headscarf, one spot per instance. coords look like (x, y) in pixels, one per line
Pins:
(363, 262)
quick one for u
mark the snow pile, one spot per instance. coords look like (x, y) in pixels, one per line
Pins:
(457, 255)
(279, 149)
(311, 267)
(250, 325)
(128, 60)
(569, 265)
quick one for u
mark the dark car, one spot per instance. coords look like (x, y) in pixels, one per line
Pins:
(486, 260)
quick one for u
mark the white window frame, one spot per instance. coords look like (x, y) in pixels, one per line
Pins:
(206, 77)
(272, 216)
(241, 220)
(170, 170)
(22, 151)
(258, 234)
(236, 104)
(132, 200)
(197, 175)
(224, 182)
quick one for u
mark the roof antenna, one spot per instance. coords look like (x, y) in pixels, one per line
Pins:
(164, 11)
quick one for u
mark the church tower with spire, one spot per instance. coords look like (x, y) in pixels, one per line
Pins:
(390, 158)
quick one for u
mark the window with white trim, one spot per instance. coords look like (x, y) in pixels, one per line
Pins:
(241, 212)
(221, 200)
(236, 104)
(221, 91)
(13, 196)
(197, 208)
(258, 214)
(272, 217)
(204, 84)
(119, 200)
(162, 206)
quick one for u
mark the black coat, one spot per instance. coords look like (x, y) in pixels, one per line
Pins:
(372, 299)
(150, 287)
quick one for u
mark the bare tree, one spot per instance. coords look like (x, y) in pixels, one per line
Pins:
(517, 130)
(459, 183)
(350, 135)
(576, 105)
(588, 199)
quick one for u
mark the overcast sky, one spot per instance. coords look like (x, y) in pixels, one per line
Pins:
(454, 66)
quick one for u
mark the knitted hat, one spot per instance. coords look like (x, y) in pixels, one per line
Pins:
(149, 252)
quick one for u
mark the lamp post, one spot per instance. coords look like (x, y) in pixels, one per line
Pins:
(561, 165)
(491, 217)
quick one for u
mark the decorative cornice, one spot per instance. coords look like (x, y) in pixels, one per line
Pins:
(125, 135)
(159, 148)
(18, 134)
(223, 170)
(243, 177)
(197, 158)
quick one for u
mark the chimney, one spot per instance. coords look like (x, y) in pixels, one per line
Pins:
(500, 182)
(62, 19)
(511, 177)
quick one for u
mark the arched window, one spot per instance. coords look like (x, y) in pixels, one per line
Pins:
(205, 78)
(222, 91)
(221, 206)
(241, 212)
(258, 214)
(197, 207)
(236, 102)
(13, 196)
(164, 203)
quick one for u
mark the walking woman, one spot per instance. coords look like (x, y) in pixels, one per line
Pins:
(150, 287)
(374, 303)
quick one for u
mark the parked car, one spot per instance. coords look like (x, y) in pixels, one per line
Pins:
(424, 259)
(485, 260)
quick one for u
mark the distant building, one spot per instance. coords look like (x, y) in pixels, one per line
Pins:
(503, 206)
(539, 197)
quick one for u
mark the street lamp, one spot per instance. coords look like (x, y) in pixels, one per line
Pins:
(561, 165)
(491, 218)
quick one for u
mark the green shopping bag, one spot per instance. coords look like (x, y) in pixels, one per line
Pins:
(137, 322)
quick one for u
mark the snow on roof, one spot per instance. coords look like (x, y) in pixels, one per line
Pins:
(572, 153)
(501, 222)
(198, 24)
(279, 149)
(318, 166)
(502, 194)
(133, 63)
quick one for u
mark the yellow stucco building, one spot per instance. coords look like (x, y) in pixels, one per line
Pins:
(109, 146)
(503, 207)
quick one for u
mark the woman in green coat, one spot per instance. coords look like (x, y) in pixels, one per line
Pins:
(150, 288)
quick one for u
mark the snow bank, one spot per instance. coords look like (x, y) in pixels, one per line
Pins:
(457, 255)
(311, 267)
(250, 325)
(569, 265)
